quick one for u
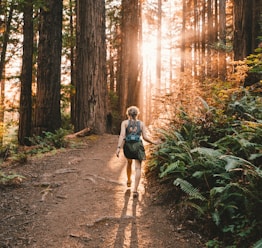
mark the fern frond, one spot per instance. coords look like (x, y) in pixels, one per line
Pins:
(255, 156)
(195, 206)
(189, 189)
(258, 244)
(204, 103)
(171, 168)
(179, 136)
(233, 162)
(216, 217)
(209, 152)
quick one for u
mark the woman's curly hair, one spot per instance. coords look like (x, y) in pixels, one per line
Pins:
(132, 111)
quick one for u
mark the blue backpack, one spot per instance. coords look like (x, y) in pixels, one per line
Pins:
(134, 134)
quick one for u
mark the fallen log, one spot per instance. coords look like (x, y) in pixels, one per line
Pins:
(84, 132)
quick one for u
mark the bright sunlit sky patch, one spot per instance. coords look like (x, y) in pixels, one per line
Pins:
(170, 41)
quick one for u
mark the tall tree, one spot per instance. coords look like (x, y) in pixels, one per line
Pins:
(47, 109)
(247, 21)
(70, 39)
(91, 87)
(159, 38)
(129, 87)
(256, 20)
(183, 36)
(203, 40)
(210, 35)
(113, 17)
(242, 28)
(222, 38)
(25, 111)
(5, 40)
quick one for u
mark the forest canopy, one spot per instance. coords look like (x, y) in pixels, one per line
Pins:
(150, 48)
(193, 67)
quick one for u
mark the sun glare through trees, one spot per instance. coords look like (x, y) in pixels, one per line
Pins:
(71, 68)
(183, 43)
(156, 49)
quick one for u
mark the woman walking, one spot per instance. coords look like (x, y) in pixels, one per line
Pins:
(131, 131)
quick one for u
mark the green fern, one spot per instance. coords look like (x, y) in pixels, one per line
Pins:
(172, 168)
(195, 206)
(238, 163)
(221, 154)
(10, 179)
(189, 189)
(216, 217)
(258, 244)
(207, 152)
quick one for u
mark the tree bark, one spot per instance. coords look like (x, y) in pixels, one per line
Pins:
(6, 35)
(25, 117)
(47, 110)
(242, 28)
(183, 38)
(129, 87)
(222, 38)
(158, 51)
(256, 20)
(72, 58)
(91, 86)
(6, 39)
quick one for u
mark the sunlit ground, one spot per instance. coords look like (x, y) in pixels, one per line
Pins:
(125, 205)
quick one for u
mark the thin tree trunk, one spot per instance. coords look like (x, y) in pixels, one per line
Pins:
(256, 20)
(2, 69)
(195, 40)
(72, 59)
(183, 38)
(222, 38)
(203, 43)
(210, 36)
(215, 56)
(2, 107)
(25, 117)
(159, 37)
(6, 39)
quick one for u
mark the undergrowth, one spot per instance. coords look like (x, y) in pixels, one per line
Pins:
(10, 179)
(39, 144)
(48, 141)
(216, 161)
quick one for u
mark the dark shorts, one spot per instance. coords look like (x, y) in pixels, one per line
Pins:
(134, 150)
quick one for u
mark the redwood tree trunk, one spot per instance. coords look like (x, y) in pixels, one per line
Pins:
(183, 37)
(72, 58)
(3, 48)
(129, 87)
(242, 28)
(25, 118)
(91, 87)
(158, 51)
(47, 110)
(222, 37)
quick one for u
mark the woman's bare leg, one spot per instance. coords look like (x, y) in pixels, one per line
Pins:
(137, 174)
(129, 171)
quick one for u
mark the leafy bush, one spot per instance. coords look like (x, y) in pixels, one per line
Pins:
(49, 141)
(10, 179)
(216, 161)
(254, 60)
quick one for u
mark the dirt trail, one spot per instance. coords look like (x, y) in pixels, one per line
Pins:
(78, 198)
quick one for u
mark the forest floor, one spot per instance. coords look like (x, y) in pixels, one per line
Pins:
(77, 197)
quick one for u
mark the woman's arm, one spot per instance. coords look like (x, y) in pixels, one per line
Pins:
(145, 134)
(121, 137)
